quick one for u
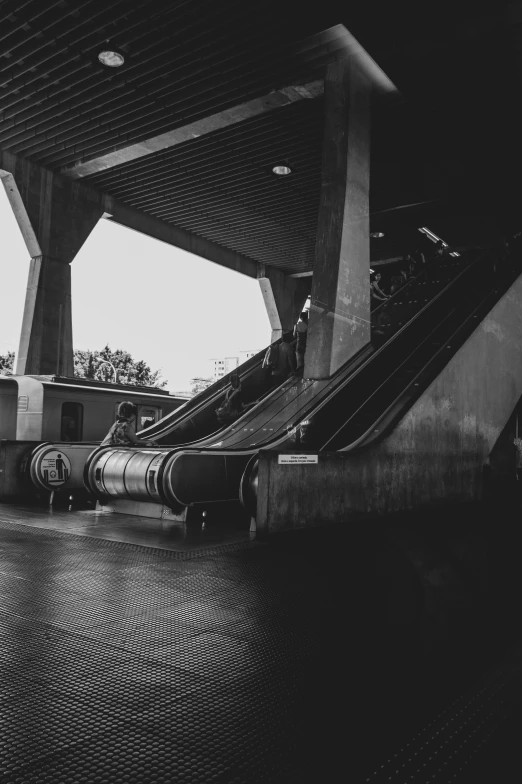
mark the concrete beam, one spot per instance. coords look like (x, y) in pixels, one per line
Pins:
(331, 45)
(118, 212)
(245, 111)
(26, 200)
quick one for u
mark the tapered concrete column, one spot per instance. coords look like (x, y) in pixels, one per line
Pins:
(46, 345)
(340, 302)
(55, 217)
(284, 298)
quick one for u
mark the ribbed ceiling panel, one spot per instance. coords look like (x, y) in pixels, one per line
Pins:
(222, 186)
(189, 59)
(186, 60)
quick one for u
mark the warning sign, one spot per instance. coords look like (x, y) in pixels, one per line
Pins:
(55, 468)
(297, 459)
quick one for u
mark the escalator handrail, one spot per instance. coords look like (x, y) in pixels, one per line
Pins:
(428, 266)
(206, 397)
(224, 431)
(414, 389)
(378, 388)
(337, 387)
(468, 268)
(211, 394)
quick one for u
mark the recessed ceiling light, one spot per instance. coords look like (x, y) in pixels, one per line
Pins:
(282, 170)
(376, 235)
(111, 57)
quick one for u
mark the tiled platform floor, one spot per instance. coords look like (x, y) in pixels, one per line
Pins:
(146, 531)
(218, 660)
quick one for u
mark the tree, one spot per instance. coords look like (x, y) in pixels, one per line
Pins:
(197, 385)
(7, 363)
(88, 364)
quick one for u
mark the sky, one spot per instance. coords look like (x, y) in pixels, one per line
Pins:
(174, 310)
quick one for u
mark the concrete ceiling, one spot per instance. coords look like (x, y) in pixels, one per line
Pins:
(211, 95)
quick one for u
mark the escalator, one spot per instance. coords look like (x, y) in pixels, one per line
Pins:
(443, 303)
(196, 418)
(192, 421)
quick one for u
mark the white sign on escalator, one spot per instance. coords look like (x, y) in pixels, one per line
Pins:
(297, 459)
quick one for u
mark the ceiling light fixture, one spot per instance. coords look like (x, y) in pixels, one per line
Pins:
(376, 235)
(111, 56)
(282, 169)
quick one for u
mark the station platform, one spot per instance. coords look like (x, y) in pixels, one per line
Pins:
(133, 653)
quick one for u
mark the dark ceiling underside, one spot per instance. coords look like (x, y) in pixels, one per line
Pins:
(456, 130)
(222, 186)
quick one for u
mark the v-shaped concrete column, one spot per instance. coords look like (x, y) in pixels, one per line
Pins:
(340, 301)
(284, 298)
(55, 217)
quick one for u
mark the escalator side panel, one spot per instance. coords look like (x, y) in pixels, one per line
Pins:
(202, 477)
(440, 441)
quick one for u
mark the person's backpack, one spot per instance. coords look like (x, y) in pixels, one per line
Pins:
(271, 356)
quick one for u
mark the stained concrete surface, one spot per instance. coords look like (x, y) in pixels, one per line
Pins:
(307, 658)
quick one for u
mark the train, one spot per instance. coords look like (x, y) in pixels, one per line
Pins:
(38, 410)
(57, 408)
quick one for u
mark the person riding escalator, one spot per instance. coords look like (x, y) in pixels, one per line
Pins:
(280, 360)
(300, 334)
(234, 405)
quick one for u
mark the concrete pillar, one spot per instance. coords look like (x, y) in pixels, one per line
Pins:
(55, 217)
(340, 302)
(46, 345)
(284, 298)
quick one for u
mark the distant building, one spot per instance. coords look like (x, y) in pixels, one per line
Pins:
(223, 365)
(244, 355)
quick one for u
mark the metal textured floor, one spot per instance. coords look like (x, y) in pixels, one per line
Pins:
(146, 531)
(220, 660)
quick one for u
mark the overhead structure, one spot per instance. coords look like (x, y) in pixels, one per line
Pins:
(176, 117)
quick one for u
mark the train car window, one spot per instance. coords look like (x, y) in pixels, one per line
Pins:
(72, 422)
(147, 416)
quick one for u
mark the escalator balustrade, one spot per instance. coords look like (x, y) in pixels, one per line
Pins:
(354, 397)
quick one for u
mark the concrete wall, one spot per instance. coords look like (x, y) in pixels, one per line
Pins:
(438, 451)
(435, 455)
(12, 453)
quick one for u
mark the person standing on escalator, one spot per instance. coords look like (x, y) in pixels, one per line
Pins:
(232, 406)
(300, 334)
(284, 364)
(377, 295)
(440, 252)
